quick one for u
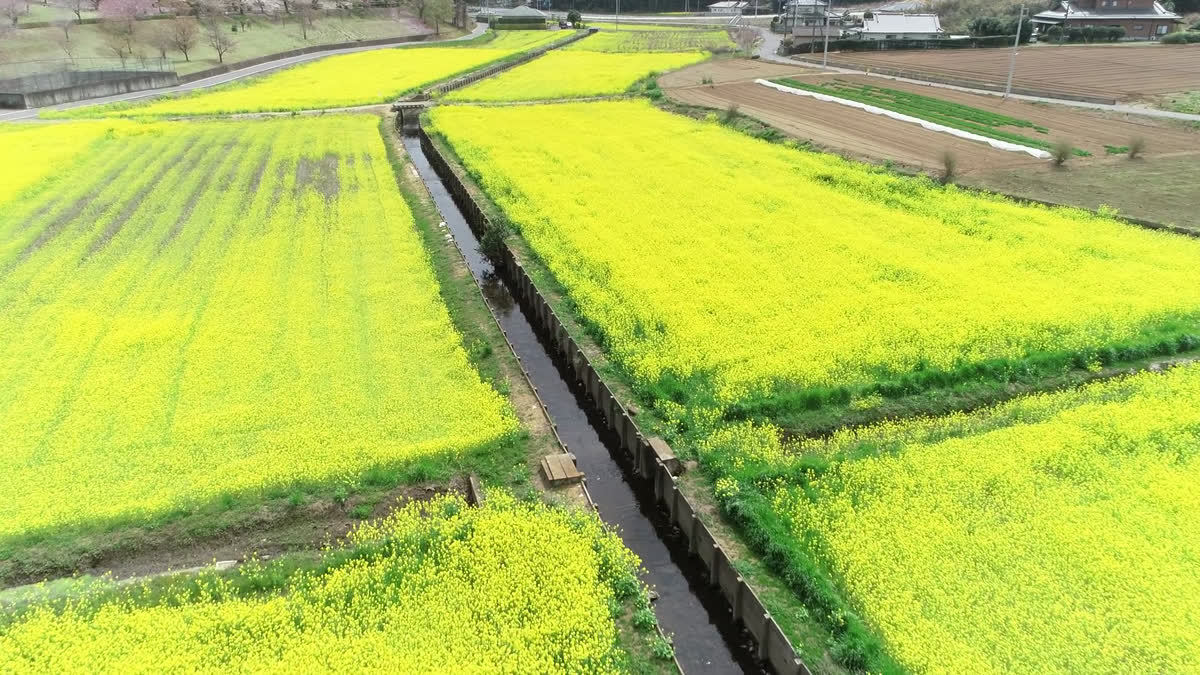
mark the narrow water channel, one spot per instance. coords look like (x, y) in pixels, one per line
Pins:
(706, 639)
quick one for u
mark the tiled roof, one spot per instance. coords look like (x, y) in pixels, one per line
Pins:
(1077, 12)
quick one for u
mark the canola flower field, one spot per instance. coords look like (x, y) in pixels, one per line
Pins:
(640, 40)
(438, 587)
(222, 309)
(362, 78)
(823, 273)
(557, 75)
(1054, 533)
(44, 150)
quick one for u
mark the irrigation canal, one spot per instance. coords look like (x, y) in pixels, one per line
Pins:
(705, 636)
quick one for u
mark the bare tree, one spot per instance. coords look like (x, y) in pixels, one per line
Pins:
(306, 18)
(287, 6)
(64, 43)
(745, 39)
(220, 39)
(117, 40)
(13, 10)
(184, 35)
(160, 36)
(78, 6)
(65, 26)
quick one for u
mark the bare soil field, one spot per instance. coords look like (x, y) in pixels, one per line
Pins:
(1123, 73)
(1159, 186)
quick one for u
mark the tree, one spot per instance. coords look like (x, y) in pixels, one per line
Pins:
(438, 11)
(306, 18)
(160, 36)
(184, 35)
(574, 17)
(78, 6)
(419, 7)
(65, 26)
(13, 10)
(221, 40)
(64, 43)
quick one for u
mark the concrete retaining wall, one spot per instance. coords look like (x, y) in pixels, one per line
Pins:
(773, 647)
(88, 85)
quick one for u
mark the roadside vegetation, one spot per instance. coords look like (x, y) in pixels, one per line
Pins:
(435, 586)
(954, 115)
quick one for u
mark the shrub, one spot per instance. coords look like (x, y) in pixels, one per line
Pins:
(1137, 145)
(949, 164)
(1061, 151)
(1187, 37)
(731, 113)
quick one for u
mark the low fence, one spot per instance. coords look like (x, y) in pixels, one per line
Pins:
(957, 81)
(773, 646)
(475, 76)
(230, 67)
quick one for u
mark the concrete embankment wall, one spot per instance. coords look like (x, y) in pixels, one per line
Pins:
(773, 646)
(66, 87)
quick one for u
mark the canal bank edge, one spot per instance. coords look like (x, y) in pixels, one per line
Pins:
(773, 646)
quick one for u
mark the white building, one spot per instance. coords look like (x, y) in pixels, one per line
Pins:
(728, 7)
(888, 26)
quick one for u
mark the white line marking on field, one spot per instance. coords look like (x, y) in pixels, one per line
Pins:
(932, 126)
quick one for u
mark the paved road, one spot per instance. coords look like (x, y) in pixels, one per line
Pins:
(770, 43)
(19, 115)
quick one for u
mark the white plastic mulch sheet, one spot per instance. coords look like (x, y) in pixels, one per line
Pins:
(998, 144)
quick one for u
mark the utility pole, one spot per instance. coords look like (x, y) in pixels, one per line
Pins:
(1012, 61)
(618, 16)
(825, 50)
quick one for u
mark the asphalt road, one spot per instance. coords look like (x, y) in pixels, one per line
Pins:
(32, 113)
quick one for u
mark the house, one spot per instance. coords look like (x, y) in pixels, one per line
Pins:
(809, 20)
(1141, 19)
(898, 26)
(728, 7)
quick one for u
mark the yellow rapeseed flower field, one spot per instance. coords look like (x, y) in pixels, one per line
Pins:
(712, 260)
(44, 149)
(434, 588)
(570, 74)
(218, 309)
(1055, 533)
(375, 76)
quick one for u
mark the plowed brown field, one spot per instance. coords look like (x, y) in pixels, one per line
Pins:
(1156, 187)
(875, 137)
(1121, 73)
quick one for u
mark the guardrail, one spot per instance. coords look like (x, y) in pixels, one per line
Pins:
(772, 645)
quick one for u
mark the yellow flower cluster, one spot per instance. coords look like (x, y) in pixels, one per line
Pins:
(31, 152)
(375, 76)
(557, 75)
(222, 308)
(699, 252)
(638, 39)
(1055, 533)
(434, 588)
